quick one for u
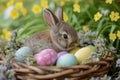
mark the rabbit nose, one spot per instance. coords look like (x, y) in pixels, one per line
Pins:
(73, 44)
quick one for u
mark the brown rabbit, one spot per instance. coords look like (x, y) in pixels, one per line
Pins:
(61, 35)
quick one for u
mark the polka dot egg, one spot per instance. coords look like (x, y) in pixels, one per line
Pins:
(46, 57)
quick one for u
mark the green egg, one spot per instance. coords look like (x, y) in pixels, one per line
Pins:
(67, 60)
(22, 53)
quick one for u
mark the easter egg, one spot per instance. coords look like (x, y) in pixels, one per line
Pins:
(46, 57)
(84, 53)
(61, 53)
(74, 50)
(22, 53)
(67, 60)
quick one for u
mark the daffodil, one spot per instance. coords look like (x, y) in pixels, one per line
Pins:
(6, 34)
(10, 3)
(85, 28)
(65, 17)
(108, 1)
(24, 11)
(14, 14)
(112, 36)
(36, 9)
(118, 34)
(19, 5)
(44, 3)
(114, 16)
(76, 8)
(97, 16)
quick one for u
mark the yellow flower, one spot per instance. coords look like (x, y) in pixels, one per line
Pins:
(114, 16)
(76, 8)
(6, 34)
(108, 1)
(24, 11)
(97, 16)
(1, 37)
(76, 1)
(14, 14)
(2, 8)
(118, 34)
(10, 3)
(62, 3)
(4, 30)
(85, 28)
(65, 17)
(112, 36)
(36, 9)
(44, 3)
(19, 5)
(67, 0)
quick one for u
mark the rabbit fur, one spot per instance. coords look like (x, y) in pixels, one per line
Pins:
(60, 37)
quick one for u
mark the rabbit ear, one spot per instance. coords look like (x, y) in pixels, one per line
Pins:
(50, 18)
(59, 13)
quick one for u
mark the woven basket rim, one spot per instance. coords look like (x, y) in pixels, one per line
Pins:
(83, 71)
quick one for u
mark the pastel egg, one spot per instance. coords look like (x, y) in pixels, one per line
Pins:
(46, 57)
(61, 53)
(84, 53)
(22, 53)
(74, 50)
(67, 60)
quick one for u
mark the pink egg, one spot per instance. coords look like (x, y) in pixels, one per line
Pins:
(46, 57)
(61, 53)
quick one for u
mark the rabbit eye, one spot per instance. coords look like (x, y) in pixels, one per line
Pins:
(65, 36)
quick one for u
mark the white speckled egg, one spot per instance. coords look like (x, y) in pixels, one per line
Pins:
(67, 60)
(61, 53)
(46, 57)
(22, 53)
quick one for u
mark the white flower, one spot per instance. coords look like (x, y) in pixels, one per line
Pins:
(7, 12)
(118, 63)
(105, 12)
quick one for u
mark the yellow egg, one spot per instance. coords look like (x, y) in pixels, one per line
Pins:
(84, 53)
(74, 50)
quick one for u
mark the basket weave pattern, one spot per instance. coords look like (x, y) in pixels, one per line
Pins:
(78, 72)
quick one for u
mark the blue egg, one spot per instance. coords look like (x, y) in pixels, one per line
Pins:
(22, 53)
(67, 60)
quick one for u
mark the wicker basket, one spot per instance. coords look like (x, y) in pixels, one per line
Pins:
(78, 72)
